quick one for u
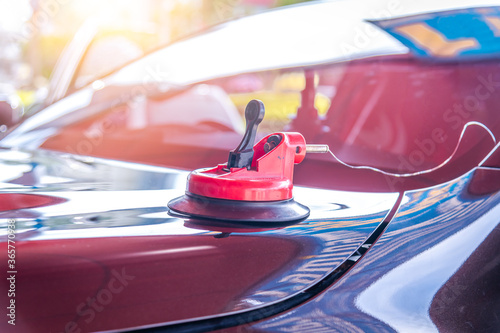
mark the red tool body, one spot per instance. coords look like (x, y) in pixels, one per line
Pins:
(255, 185)
(269, 178)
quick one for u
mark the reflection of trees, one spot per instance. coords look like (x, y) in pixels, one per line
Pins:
(156, 21)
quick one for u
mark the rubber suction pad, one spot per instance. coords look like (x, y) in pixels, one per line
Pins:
(194, 206)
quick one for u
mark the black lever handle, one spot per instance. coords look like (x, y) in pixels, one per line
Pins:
(242, 156)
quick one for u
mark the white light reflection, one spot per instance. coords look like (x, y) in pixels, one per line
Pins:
(328, 204)
(11, 172)
(15, 155)
(86, 202)
(173, 251)
(170, 227)
(402, 298)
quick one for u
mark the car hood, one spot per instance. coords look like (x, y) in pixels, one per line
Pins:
(98, 250)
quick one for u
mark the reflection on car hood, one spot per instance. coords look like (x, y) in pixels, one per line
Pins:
(84, 221)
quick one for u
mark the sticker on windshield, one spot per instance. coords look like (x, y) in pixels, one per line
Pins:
(450, 35)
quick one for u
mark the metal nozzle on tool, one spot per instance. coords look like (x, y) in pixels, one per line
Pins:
(317, 149)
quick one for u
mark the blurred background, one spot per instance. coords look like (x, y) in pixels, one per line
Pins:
(34, 33)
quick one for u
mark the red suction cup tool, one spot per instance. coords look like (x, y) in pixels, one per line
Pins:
(254, 186)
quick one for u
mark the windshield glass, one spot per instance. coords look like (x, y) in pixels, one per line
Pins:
(401, 109)
(299, 36)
